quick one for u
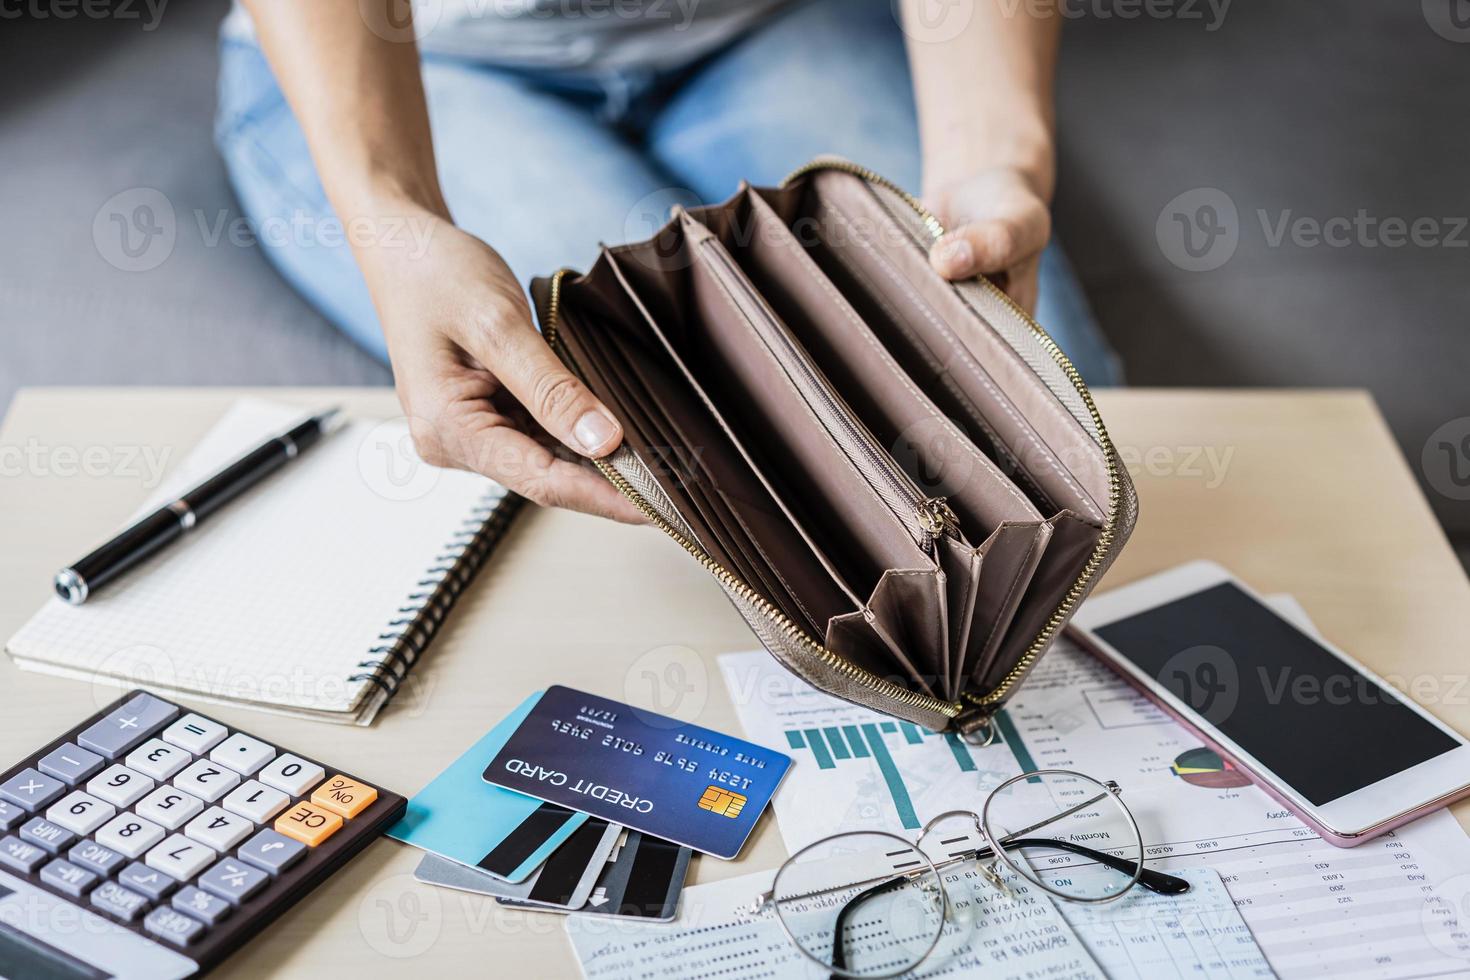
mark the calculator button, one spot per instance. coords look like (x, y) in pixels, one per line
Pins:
(270, 851)
(174, 927)
(81, 813)
(242, 753)
(195, 733)
(71, 763)
(67, 877)
(291, 774)
(129, 834)
(119, 785)
(308, 823)
(10, 815)
(206, 780)
(344, 797)
(115, 900)
(146, 881)
(255, 802)
(45, 834)
(31, 790)
(218, 829)
(181, 857)
(16, 853)
(169, 807)
(93, 856)
(233, 881)
(157, 759)
(125, 727)
(201, 905)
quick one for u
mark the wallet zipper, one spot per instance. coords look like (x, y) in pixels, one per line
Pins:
(732, 582)
(931, 517)
(993, 698)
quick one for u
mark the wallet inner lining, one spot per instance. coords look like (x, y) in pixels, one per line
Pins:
(860, 252)
(702, 457)
(845, 519)
(935, 454)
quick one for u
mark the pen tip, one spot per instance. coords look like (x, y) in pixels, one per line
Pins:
(326, 420)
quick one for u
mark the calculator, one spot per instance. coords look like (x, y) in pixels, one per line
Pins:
(151, 841)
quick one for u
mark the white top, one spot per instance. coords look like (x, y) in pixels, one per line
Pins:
(595, 35)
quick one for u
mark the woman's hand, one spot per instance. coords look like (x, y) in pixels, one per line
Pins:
(481, 388)
(996, 224)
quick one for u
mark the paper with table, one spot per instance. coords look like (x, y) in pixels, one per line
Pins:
(1199, 934)
(1383, 909)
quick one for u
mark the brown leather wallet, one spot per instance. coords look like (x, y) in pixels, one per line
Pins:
(901, 482)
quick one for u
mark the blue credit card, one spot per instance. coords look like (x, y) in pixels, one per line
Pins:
(499, 831)
(643, 770)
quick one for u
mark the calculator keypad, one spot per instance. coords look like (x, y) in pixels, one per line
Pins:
(175, 825)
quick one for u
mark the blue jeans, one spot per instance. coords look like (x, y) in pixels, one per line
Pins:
(544, 166)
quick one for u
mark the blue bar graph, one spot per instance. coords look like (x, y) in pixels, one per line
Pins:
(833, 747)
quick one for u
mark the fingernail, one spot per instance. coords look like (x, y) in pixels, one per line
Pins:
(593, 431)
(956, 256)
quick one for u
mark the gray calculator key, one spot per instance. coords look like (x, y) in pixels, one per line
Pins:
(94, 857)
(270, 851)
(67, 877)
(10, 815)
(116, 900)
(233, 881)
(141, 878)
(175, 927)
(201, 905)
(71, 764)
(16, 853)
(31, 790)
(126, 727)
(43, 833)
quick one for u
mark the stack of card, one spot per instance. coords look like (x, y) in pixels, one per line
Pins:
(578, 804)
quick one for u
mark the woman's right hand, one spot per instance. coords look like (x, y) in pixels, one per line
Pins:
(481, 388)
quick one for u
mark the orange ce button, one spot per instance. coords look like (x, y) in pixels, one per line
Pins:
(308, 823)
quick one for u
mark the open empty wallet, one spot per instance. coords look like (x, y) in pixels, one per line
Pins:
(901, 482)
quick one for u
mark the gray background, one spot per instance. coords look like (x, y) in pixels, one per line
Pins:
(1321, 110)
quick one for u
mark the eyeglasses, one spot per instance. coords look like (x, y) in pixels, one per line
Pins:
(871, 904)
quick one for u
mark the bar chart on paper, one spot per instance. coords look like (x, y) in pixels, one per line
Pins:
(865, 745)
(854, 769)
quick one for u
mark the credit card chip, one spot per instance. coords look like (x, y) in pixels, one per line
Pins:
(722, 802)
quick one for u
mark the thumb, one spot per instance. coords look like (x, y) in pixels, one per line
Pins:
(555, 397)
(989, 246)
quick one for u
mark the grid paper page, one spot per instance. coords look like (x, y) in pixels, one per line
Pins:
(278, 597)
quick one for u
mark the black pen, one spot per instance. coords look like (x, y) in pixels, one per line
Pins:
(171, 521)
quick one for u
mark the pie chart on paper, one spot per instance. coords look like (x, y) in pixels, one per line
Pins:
(1203, 767)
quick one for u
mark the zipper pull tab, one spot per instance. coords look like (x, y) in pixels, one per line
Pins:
(936, 517)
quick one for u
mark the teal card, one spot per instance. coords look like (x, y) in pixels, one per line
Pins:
(461, 817)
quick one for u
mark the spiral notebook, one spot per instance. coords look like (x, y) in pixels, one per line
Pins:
(313, 594)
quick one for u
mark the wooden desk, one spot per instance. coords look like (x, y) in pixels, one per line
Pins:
(1300, 492)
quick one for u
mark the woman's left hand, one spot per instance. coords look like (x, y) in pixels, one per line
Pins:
(996, 223)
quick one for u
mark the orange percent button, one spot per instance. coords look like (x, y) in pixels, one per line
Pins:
(308, 823)
(343, 796)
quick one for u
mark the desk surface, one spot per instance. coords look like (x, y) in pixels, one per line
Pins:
(1300, 492)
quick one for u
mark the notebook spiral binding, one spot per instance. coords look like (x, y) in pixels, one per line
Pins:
(409, 633)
